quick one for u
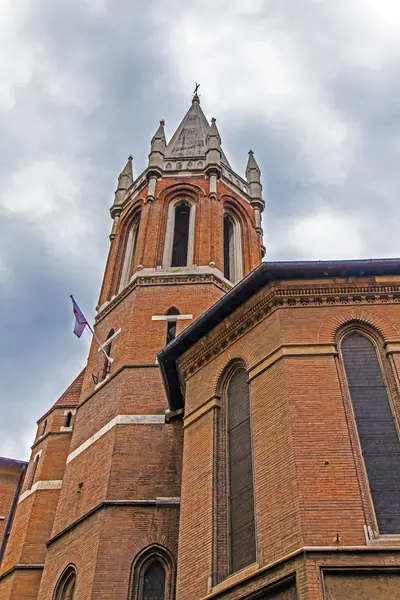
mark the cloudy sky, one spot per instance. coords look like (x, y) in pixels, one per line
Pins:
(312, 86)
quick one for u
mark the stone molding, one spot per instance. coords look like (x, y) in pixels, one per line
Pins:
(201, 410)
(290, 351)
(174, 277)
(278, 298)
(118, 420)
(41, 485)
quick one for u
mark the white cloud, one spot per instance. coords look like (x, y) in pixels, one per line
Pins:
(325, 236)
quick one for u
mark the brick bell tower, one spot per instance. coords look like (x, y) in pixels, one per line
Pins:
(105, 489)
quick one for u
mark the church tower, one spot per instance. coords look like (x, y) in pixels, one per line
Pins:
(98, 516)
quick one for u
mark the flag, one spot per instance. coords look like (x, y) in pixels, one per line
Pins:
(80, 319)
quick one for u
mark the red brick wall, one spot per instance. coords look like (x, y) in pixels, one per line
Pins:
(306, 460)
(208, 243)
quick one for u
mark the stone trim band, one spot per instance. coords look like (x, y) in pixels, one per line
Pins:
(118, 420)
(41, 485)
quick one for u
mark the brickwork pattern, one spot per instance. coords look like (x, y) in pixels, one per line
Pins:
(306, 459)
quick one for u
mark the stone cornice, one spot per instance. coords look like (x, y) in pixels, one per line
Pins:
(162, 279)
(277, 298)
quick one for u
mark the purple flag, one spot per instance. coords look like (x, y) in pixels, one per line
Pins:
(80, 319)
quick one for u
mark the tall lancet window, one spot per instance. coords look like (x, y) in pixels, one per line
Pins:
(376, 426)
(129, 255)
(180, 243)
(179, 235)
(242, 536)
(234, 535)
(233, 269)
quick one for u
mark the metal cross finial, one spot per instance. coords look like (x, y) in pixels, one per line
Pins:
(197, 85)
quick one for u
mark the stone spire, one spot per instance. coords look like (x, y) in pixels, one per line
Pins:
(213, 157)
(190, 139)
(125, 180)
(253, 176)
(156, 160)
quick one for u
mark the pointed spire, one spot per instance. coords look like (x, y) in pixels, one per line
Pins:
(190, 139)
(253, 176)
(213, 151)
(157, 151)
(214, 133)
(159, 137)
(253, 173)
(125, 180)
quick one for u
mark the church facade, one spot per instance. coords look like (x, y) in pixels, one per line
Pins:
(243, 440)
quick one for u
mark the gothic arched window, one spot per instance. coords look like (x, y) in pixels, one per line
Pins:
(171, 323)
(68, 419)
(66, 587)
(180, 242)
(153, 576)
(242, 537)
(233, 269)
(179, 238)
(234, 530)
(376, 426)
(129, 254)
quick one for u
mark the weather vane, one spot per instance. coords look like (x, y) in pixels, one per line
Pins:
(197, 85)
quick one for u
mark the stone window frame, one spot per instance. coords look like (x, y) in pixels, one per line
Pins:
(151, 554)
(170, 230)
(63, 580)
(390, 380)
(129, 244)
(237, 261)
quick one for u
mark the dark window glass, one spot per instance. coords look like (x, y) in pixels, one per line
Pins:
(228, 247)
(171, 325)
(171, 331)
(181, 235)
(241, 501)
(68, 419)
(376, 427)
(154, 582)
(66, 588)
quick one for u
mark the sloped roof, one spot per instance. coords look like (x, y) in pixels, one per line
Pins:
(189, 140)
(247, 287)
(72, 394)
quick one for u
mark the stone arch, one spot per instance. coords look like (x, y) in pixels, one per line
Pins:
(223, 374)
(328, 331)
(175, 193)
(245, 219)
(68, 574)
(132, 215)
(148, 555)
(152, 540)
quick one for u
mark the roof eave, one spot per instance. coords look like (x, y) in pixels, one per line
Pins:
(246, 288)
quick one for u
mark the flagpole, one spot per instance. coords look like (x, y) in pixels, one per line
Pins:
(110, 360)
(86, 324)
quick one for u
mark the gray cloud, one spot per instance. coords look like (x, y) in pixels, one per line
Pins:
(312, 89)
